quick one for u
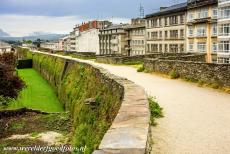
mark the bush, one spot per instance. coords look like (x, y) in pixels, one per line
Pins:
(174, 74)
(10, 83)
(5, 100)
(8, 59)
(141, 69)
(155, 110)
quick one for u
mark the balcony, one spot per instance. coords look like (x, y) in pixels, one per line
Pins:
(199, 3)
(223, 2)
(202, 20)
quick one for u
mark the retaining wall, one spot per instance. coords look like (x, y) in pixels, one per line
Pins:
(110, 114)
(115, 59)
(209, 73)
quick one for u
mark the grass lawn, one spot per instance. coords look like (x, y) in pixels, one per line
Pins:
(37, 94)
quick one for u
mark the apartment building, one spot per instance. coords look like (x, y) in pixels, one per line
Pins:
(202, 28)
(87, 38)
(113, 40)
(223, 54)
(165, 30)
(135, 37)
(50, 45)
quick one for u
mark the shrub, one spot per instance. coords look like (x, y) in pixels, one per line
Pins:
(8, 59)
(141, 69)
(4, 100)
(174, 74)
(10, 83)
(155, 110)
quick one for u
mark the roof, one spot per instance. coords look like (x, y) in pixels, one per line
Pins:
(171, 9)
(120, 26)
(134, 26)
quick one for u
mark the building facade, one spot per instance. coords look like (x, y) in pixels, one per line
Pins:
(5, 47)
(223, 54)
(87, 36)
(112, 40)
(202, 28)
(165, 30)
(50, 45)
(136, 37)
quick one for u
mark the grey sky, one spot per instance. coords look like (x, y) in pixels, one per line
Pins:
(52, 13)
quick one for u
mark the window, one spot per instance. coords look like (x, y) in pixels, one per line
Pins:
(166, 47)
(182, 48)
(224, 30)
(166, 34)
(214, 30)
(182, 19)
(190, 47)
(160, 47)
(190, 31)
(173, 20)
(154, 35)
(214, 12)
(190, 16)
(173, 48)
(202, 13)
(160, 35)
(160, 22)
(224, 46)
(181, 33)
(201, 31)
(201, 46)
(223, 60)
(225, 12)
(173, 33)
(155, 47)
(166, 21)
(214, 47)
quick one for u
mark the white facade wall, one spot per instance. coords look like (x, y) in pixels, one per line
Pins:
(223, 54)
(88, 41)
(50, 45)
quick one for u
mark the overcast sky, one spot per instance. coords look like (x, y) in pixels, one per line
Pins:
(23, 17)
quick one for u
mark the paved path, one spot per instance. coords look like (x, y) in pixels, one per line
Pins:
(197, 120)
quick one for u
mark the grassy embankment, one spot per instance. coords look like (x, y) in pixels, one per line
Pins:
(37, 94)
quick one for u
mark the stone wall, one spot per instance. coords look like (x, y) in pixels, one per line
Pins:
(193, 57)
(197, 71)
(115, 59)
(110, 114)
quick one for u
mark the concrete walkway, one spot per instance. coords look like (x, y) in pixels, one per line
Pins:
(197, 120)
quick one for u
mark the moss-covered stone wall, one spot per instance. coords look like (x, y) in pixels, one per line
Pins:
(92, 98)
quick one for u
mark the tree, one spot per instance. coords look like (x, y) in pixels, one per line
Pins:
(10, 83)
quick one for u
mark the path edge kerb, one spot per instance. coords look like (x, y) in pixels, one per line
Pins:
(130, 130)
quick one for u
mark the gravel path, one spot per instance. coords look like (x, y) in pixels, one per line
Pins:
(197, 120)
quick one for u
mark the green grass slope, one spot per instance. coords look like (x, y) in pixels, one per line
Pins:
(37, 94)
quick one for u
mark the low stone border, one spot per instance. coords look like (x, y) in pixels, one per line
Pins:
(130, 129)
(208, 73)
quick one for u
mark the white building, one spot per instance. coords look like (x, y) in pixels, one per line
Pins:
(223, 55)
(87, 36)
(50, 45)
(5, 47)
(88, 41)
